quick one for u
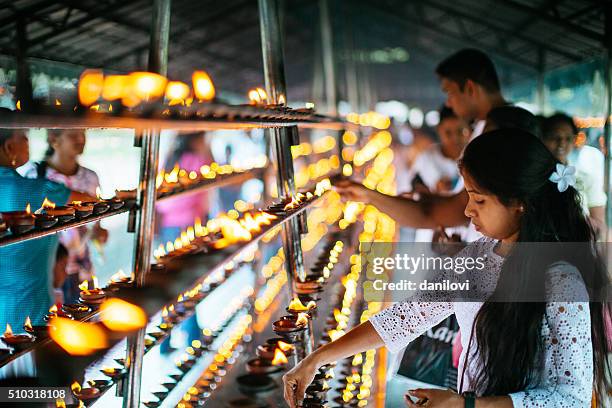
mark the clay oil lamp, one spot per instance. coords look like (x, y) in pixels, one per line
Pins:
(169, 385)
(54, 312)
(44, 221)
(37, 331)
(114, 203)
(112, 372)
(84, 394)
(161, 395)
(313, 402)
(19, 222)
(277, 208)
(296, 306)
(78, 310)
(310, 285)
(94, 295)
(3, 226)
(268, 349)
(157, 335)
(100, 384)
(120, 361)
(261, 366)
(251, 384)
(119, 280)
(346, 400)
(318, 390)
(291, 327)
(294, 204)
(176, 377)
(63, 213)
(99, 207)
(125, 195)
(152, 404)
(81, 209)
(16, 341)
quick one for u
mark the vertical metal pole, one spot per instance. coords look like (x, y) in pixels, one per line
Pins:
(274, 72)
(149, 157)
(329, 67)
(349, 63)
(608, 125)
(24, 83)
(540, 90)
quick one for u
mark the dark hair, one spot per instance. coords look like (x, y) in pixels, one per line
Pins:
(550, 124)
(515, 166)
(514, 117)
(51, 133)
(471, 64)
(5, 135)
(61, 253)
(181, 145)
(446, 113)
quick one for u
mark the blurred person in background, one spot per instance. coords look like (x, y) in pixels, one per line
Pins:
(435, 169)
(189, 152)
(59, 274)
(61, 164)
(559, 134)
(26, 268)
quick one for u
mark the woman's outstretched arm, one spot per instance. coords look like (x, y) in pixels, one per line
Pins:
(357, 340)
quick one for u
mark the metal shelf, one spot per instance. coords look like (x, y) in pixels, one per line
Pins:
(219, 181)
(181, 272)
(7, 238)
(209, 117)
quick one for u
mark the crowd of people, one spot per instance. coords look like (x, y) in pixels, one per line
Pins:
(499, 177)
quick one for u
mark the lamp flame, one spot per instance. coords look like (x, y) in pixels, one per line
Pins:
(294, 203)
(119, 315)
(53, 310)
(147, 86)
(203, 86)
(28, 324)
(302, 319)
(77, 338)
(75, 387)
(83, 286)
(90, 86)
(284, 346)
(279, 358)
(28, 209)
(177, 92)
(258, 96)
(9, 331)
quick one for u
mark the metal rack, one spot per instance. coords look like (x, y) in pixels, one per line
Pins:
(283, 131)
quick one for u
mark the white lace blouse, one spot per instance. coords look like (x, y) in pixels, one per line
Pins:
(566, 379)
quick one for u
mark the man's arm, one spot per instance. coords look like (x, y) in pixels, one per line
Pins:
(431, 211)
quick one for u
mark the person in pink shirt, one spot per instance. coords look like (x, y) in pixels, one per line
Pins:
(190, 152)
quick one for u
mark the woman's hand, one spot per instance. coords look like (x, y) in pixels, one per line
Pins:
(298, 379)
(352, 191)
(433, 398)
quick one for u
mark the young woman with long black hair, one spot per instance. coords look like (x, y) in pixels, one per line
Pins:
(550, 352)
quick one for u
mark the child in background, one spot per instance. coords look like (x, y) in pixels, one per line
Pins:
(59, 274)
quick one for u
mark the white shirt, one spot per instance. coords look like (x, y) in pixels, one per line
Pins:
(566, 378)
(589, 164)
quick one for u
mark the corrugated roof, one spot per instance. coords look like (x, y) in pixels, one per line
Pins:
(223, 37)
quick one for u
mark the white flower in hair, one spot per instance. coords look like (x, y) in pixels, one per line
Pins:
(564, 176)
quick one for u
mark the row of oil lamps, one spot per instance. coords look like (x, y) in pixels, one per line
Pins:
(49, 214)
(196, 350)
(224, 230)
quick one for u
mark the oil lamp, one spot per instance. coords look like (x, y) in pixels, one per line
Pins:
(37, 331)
(94, 295)
(82, 209)
(19, 222)
(84, 394)
(16, 341)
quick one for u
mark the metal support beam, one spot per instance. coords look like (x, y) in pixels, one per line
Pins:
(562, 23)
(329, 66)
(149, 158)
(541, 90)
(607, 44)
(24, 80)
(281, 139)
